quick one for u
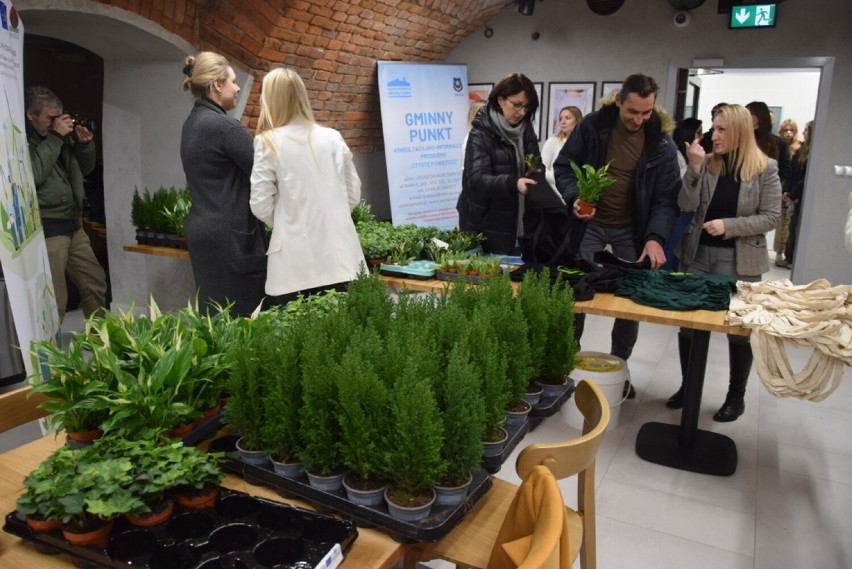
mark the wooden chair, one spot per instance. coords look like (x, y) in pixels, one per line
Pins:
(17, 409)
(470, 544)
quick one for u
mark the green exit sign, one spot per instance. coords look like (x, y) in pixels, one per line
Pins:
(753, 16)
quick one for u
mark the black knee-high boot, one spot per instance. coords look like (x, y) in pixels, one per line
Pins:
(684, 344)
(741, 359)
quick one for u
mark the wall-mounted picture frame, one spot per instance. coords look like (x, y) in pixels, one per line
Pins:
(539, 90)
(479, 91)
(567, 93)
(609, 88)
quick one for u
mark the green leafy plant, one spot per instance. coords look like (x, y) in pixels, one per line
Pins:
(75, 386)
(175, 216)
(532, 163)
(591, 182)
(362, 213)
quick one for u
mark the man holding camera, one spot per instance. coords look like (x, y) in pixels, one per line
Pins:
(62, 152)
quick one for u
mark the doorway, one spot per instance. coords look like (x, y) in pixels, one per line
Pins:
(76, 76)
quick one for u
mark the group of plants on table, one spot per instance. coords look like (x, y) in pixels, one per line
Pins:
(384, 242)
(140, 377)
(399, 394)
(159, 217)
(84, 491)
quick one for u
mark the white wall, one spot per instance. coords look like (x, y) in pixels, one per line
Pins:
(795, 91)
(577, 45)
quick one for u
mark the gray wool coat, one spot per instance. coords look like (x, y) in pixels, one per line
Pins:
(758, 210)
(226, 242)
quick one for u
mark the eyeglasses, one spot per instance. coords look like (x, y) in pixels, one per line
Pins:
(518, 106)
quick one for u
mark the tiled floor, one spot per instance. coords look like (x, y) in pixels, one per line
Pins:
(788, 505)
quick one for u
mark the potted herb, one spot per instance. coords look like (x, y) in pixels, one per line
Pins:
(156, 472)
(591, 183)
(96, 491)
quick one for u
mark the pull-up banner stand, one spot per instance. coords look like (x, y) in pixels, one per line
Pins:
(424, 122)
(23, 253)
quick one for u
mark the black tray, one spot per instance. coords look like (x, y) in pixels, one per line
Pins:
(547, 406)
(439, 523)
(203, 430)
(239, 531)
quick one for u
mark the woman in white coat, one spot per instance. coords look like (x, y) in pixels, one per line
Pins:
(304, 186)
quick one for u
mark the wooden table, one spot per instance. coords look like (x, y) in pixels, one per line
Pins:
(158, 251)
(372, 549)
(683, 446)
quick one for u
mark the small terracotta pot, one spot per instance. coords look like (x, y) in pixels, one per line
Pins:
(43, 525)
(77, 440)
(178, 432)
(197, 502)
(153, 518)
(586, 208)
(98, 537)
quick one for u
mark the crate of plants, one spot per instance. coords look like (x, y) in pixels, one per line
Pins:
(237, 530)
(474, 268)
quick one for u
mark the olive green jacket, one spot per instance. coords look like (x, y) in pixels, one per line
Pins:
(59, 164)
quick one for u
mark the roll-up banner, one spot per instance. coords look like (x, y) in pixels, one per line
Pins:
(23, 253)
(424, 122)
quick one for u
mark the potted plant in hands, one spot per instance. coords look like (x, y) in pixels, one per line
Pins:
(591, 183)
(532, 164)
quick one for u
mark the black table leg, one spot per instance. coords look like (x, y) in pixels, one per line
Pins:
(684, 446)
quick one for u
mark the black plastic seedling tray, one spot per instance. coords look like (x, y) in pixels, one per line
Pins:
(240, 531)
(547, 406)
(438, 524)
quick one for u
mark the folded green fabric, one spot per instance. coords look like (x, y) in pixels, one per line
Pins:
(678, 291)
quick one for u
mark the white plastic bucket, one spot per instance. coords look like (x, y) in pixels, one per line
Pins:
(609, 373)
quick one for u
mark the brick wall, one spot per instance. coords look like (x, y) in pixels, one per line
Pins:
(334, 45)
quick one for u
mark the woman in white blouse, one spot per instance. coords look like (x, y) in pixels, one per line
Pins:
(569, 117)
(304, 186)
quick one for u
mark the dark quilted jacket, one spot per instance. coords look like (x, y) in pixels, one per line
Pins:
(488, 203)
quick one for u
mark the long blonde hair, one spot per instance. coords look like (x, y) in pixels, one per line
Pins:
(283, 97)
(200, 71)
(794, 144)
(744, 157)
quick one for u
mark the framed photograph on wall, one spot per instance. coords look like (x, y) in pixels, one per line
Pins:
(609, 87)
(479, 91)
(564, 94)
(539, 90)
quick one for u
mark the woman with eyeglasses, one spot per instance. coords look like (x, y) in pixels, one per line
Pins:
(495, 178)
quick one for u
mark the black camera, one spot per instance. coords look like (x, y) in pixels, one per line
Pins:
(80, 121)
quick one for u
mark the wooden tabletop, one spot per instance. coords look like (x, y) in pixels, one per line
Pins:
(607, 304)
(158, 251)
(373, 549)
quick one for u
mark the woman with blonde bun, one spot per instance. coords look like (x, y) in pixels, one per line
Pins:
(226, 243)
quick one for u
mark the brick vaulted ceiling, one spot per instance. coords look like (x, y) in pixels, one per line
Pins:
(334, 44)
